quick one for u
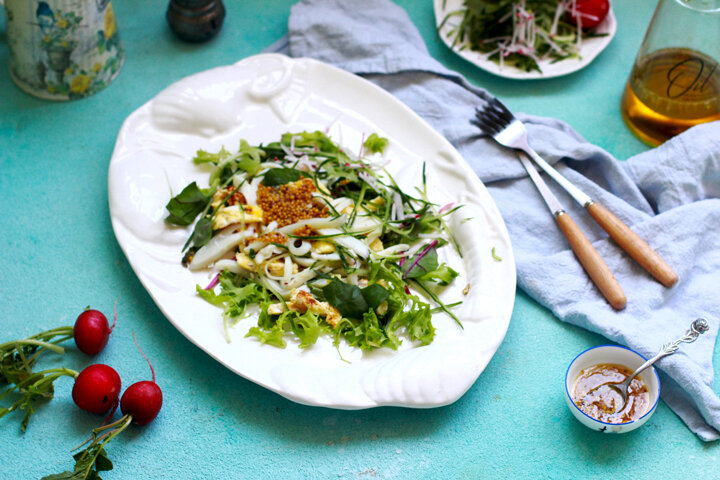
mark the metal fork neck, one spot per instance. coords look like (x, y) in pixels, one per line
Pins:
(578, 195)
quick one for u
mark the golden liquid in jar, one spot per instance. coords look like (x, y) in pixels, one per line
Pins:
(670, 91)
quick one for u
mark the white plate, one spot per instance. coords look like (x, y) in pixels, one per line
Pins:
(258, 99)
(591, 47)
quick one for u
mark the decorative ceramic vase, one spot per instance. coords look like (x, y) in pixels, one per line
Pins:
(62, 49)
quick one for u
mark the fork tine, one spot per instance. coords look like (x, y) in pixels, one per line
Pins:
(502, 109)
(493, 117)
(496, 117)
(498, 110)
(488, 121)
(479, 119)
(484, 124)
(502, 116)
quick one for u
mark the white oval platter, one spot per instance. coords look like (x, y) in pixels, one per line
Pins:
(258, 99)
(591, 47)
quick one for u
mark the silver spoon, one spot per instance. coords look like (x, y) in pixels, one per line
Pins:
(697, 328)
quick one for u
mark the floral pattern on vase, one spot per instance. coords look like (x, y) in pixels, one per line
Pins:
(63, 49)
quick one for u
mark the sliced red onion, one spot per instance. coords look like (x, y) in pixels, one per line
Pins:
(213, 282)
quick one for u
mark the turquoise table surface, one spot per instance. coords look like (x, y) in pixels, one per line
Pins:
(59, 254)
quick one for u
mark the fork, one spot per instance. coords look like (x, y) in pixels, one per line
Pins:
(589, 258)
(498, 122)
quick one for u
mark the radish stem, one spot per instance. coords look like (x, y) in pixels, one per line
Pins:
(152, 370)
(39, 343)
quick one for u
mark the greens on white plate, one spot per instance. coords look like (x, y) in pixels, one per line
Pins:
(525, 39)
(271, 101)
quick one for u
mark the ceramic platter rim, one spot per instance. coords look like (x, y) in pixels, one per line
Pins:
(259, 98)
(591, 48)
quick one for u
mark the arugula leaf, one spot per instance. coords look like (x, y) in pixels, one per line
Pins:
(202, 233)
(360, 326)
(281, 176)
(375, 143)
(374, 295)
(187, 205)
(352, 301)
(348, 299)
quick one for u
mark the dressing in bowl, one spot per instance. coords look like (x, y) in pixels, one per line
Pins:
(594, 406)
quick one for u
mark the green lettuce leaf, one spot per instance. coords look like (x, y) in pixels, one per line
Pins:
(375, 143)
(187, 205)
(202, 156)
(428, 268)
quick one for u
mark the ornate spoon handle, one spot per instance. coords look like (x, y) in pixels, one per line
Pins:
(697, 328)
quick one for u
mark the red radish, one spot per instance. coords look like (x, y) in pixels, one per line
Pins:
(140, 404)
(97, 388)
(588, 13)
(142, 400)
(92, 331)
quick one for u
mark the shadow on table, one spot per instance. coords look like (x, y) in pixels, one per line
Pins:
(213, 397)
(600, 448)
(252, 407)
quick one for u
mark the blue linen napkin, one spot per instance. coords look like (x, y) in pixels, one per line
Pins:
(669, 196)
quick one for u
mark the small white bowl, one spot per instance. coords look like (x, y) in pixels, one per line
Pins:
(613, 354)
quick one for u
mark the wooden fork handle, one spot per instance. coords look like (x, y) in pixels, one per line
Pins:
(592, 262)
(635, 246)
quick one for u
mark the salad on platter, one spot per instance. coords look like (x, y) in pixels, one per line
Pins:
(524, 34)
(317, 240)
